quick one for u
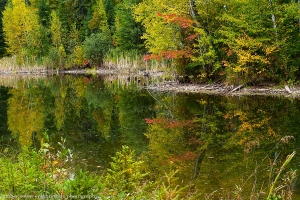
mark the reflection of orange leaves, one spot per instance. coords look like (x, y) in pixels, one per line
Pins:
(189, 155)
(86, 80)
(195, 140)
(86, 63)
(168, 123)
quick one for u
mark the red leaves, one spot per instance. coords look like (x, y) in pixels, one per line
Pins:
(192, 37)
(181, 20)
(185, 22)
(171, 54)
(150, 121)
(86, 63)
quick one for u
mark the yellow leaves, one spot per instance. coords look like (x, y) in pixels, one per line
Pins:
(125, 171)
(54, 162)
(269, 50)
(99, 19)
(250, 131)
(160, 35)
(21, 26)
(24, 120)
(246, 126)
(271, 132)
(245, 48)
(239, 68)
(202, 102)
(55, 29)
(78, 56)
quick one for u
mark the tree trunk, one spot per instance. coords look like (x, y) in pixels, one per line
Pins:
(192, 8)
(274, 21)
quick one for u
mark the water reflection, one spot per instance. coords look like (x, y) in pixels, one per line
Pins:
(217, 143)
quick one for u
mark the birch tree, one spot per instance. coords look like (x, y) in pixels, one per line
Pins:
(21, 28)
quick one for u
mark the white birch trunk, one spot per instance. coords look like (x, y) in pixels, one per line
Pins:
(192, 11)
(274, 20)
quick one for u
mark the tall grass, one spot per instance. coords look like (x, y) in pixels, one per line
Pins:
(133, 61)
(10, 65)
(273, 194)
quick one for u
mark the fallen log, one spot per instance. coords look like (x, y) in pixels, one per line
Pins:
(287, 89)
(238, 88)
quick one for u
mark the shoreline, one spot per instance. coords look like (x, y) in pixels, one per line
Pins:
(174, 86)
(226, 90)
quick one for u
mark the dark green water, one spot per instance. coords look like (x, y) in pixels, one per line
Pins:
(221, 145)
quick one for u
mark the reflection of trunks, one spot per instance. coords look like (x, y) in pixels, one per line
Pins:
(197, 163)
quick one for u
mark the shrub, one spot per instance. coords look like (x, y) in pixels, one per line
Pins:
(95, 47)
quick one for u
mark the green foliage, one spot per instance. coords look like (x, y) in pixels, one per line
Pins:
(82, 184)
(56, 30)
(79, 56)
(125, 175)
(128, 32)
(159, 36)
(204, 56)
(44, 13)
(44, 172)
(96, 46)
(271, 194)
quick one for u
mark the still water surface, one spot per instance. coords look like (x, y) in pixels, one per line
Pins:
(220, 144)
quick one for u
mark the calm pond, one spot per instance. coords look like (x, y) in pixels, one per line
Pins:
(220, 144)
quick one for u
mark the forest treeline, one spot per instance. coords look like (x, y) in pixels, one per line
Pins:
(237, 40)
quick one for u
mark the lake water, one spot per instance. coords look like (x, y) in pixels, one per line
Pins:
(221, 145)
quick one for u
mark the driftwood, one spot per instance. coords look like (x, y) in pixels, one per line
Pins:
(238, 88)
(287, 89)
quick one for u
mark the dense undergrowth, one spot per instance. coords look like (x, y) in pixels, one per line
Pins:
(50, 174)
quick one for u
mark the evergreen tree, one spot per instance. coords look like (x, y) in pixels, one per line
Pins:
(2, 41)
(56, 30)
(128, 32)
(44, 13)
(97, 44)
(125, 174)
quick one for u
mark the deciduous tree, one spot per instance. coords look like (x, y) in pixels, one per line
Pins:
(21, 28)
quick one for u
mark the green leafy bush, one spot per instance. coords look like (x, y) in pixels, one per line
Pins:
(95, 47)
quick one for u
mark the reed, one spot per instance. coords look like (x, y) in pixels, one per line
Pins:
(133, 61)
(286, 162)
(10, 65)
